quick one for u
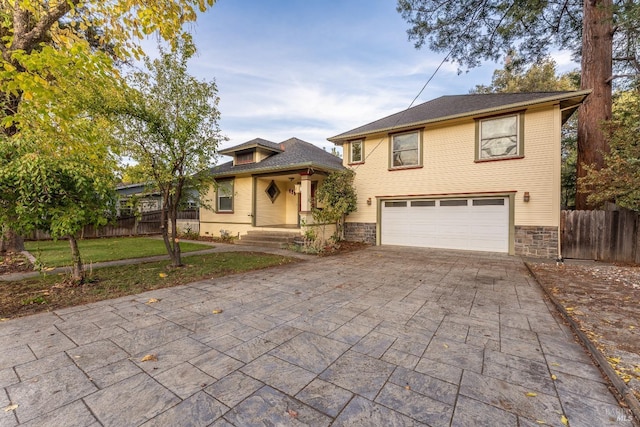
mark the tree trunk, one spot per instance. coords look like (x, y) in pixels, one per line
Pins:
(12, 242)
(165, 232)
(597, 46)
(77, 269)
(177, 255)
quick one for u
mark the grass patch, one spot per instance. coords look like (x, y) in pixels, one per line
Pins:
(52, 292)
(58, 254)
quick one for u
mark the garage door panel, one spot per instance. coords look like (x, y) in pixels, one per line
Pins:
(472, 224)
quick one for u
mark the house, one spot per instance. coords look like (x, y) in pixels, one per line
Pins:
(144, 198)
(144, 202)
(473, 172)
(266, 186)
(137, 197)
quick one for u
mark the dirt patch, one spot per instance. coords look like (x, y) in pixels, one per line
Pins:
(603, 300)
(344, 247)
(14, 263)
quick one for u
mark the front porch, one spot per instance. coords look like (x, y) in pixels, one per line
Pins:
(284, 200)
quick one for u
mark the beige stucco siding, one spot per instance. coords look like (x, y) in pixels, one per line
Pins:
(449, 167)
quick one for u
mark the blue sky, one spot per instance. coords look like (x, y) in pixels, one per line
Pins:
(314, 69)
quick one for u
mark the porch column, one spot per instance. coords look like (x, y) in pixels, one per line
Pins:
(305, 194)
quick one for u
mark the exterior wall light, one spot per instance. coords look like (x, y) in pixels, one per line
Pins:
(526, 196)
(369, 201)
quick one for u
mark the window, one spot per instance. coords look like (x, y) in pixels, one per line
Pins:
(453, 203)
(500, 138)
(488, 202)
(423, 203)
(405, 150)
(356, 153)
(272, 191)
(225, 196)
(395, 204)
(125, 208)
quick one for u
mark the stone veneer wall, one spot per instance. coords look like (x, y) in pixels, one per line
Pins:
(360, 232)
(539, 242)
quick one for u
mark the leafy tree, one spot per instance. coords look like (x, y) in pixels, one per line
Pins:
(57, 165)
(338, 197)
(44, 41)
(542, 77)
(59, 191)
(603, 33)
(539, 77)
(170, 128)
(618, 180)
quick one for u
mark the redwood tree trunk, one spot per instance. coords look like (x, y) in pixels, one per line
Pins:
(597, 47)
(77, 271)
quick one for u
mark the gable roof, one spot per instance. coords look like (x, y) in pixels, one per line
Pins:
(254, 143)
(457, 106)
(293, 153)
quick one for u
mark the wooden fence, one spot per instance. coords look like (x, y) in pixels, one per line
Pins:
(612, 236)
(147, 224)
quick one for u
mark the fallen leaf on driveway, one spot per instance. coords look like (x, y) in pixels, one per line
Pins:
(445, 346)
(292, 413)
(152, 300)
(553, 377)
(11, 408)
(149, 358)
(541, 422)
(531, 394)
(217, 311)
(564, 420)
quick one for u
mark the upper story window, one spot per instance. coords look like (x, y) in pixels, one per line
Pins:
(500, 138)
(244, 158)
(356, 151)
(224, 196)
(405, 150)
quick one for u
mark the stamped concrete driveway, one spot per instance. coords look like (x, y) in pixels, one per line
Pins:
(378, 337)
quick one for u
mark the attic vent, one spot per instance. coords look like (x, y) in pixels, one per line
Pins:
(244, 158)
(272, 191)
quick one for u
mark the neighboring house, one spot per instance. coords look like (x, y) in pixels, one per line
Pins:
(266, 186)
(137, 196)
(143, 198)
(475, 172)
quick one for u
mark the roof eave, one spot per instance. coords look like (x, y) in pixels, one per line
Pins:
(312, 165)
(231, 150)
(581, 95)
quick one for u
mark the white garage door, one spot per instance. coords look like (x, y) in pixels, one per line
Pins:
(478, 224)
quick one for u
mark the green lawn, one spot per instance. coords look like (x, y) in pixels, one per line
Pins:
(58, 253)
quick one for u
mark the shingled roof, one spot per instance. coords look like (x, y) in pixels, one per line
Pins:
(254, 143)
(457, 106)
(293, 154)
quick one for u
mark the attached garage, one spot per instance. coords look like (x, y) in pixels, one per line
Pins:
(478, 224)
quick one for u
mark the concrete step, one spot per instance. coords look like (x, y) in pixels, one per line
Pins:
(273, 233)
(271, 239)
(265, 244)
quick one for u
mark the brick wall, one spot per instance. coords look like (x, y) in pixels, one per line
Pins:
(360, 232)
(539, 242)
